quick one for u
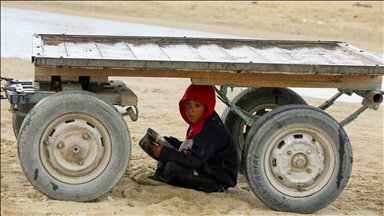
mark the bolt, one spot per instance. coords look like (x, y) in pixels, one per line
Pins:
(46, 142)
(309, 151)
(80, 162)
(76, 149)
(85, 136)
(289, 172)
(60, 144)
(289, 152)
(299, 162)
(309, 170)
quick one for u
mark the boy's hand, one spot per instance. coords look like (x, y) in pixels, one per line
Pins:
(158, 148)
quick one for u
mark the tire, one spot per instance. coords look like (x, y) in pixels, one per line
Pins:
(257, 101)
(74, 145)
(17, 120)
(297, 159)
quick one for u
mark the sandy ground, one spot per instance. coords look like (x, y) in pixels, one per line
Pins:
(359, 23)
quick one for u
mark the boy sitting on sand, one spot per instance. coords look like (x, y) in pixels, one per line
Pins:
(206, 160)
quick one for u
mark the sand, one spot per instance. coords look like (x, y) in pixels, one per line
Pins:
(359, 23)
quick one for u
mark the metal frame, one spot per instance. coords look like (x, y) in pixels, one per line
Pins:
(371, 100)
(27, 91)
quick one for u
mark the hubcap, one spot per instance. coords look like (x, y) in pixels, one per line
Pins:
(75, 148)
(298, 161)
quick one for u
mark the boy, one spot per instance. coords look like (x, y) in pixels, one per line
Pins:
(207, 159)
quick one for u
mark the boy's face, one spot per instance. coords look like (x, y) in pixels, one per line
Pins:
(195, 109)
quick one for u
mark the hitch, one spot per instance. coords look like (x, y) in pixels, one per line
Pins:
(11, 85)
(16, 91)
(6, 79)
(4, 88)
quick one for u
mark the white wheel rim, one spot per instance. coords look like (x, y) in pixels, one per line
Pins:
(75, 148)
(299, 160)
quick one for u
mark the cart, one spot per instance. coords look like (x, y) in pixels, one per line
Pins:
(74, 145)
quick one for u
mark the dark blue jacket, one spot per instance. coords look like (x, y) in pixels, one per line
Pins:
(213, 152)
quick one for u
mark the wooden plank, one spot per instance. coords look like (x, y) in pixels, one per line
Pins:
(70, 78)
(98, 79)
(306, 81)
(244, 54)
(115, 51)
(181, 52)
(82, 50)
(148, 52)
(274, 55)
(224, 67)
(58, 51)
(212, 52)
(79, 47)
(356, 82)
(43, 78)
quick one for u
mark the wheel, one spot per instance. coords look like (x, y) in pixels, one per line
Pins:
(18, 120)
(297, 158)
(257, 101)
(74, 145)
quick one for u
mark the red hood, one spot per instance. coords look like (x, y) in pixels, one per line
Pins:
(205, 94)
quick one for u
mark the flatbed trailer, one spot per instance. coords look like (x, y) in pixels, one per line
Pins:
(74, 145)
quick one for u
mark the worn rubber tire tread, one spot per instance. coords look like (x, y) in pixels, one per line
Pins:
(61, 103)
(250, 98)
(254, 151)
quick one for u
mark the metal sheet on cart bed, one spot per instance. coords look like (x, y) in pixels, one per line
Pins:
(203, 54)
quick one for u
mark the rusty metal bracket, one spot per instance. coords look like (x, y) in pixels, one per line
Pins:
(372, 100)
(133, 115)
(222, 95)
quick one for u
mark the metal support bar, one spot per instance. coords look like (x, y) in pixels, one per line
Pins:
(330, 102)
(222, 95)
(352, 117)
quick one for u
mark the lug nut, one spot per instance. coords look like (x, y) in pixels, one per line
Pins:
(289, 152)
(309, 151)
(76, 149)
(46, 142)
(85, 136)
(60, 144)
(309, 170)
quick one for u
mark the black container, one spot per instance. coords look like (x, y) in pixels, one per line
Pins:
(149, 139)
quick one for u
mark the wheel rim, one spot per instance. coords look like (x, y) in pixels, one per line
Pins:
(298, 161)
(258, 111)
(75, 148)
